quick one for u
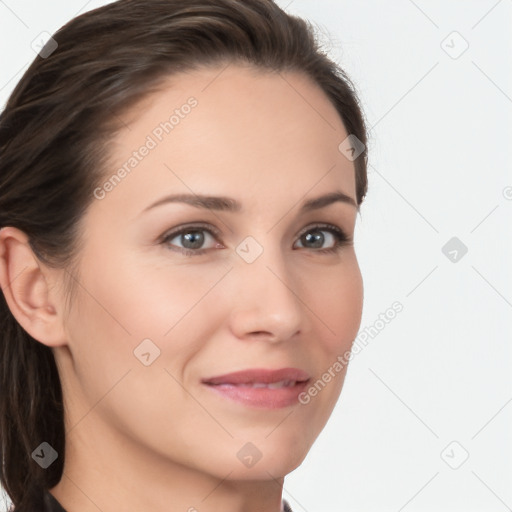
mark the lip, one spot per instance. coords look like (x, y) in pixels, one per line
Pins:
(236, 386)
(264, 375)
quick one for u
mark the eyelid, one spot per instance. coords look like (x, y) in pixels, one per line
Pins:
(326, 225)
(343, 240)
(190, 226)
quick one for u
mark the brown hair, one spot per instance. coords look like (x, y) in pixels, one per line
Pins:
(54, 138)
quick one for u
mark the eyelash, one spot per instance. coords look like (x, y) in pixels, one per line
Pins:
(341, 238)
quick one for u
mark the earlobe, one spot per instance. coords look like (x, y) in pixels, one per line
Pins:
(26, 289)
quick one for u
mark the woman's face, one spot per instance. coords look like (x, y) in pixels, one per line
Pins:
(253, 291)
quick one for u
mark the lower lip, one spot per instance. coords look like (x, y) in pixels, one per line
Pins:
(261, 397)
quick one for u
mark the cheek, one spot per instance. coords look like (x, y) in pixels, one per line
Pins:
(147, 293)
(350, 307)
(126, 301)
(338, 300)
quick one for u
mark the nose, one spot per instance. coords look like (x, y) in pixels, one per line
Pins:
(266, 300)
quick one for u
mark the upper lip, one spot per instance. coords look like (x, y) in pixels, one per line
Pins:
(263, 375)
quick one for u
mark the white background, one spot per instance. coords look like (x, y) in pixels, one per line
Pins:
(439, 168)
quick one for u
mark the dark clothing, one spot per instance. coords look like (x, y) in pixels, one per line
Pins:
(52, 505)
(286, 507)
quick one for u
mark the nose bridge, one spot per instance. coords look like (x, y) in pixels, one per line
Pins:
(268, 301)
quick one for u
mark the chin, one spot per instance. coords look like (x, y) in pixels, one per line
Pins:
(278, 457)
(255, 458)
(265, 470)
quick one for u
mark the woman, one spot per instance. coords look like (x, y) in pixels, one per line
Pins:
(179, 183)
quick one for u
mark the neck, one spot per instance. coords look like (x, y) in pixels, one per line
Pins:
(105, 471)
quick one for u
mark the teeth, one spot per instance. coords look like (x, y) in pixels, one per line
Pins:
(272, 385)
(276, 385)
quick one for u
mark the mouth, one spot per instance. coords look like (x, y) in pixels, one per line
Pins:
(271, 385)
(259, 387)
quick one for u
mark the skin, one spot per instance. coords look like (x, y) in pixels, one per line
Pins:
(153, 438)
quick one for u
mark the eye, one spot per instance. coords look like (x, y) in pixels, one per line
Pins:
(192, 238)
(341, 239)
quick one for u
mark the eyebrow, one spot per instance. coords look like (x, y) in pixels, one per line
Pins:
(232, 205)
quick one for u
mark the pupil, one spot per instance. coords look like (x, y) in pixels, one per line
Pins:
(195, 237)
(317, 239)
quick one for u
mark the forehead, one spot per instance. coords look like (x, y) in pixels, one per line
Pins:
(235, 131)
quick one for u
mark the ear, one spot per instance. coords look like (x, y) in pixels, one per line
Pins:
(26, 285)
